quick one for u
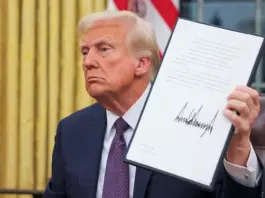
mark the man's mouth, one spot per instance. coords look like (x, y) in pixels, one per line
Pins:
(93, 78)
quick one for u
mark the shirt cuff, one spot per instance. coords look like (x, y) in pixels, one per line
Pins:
(248, 176)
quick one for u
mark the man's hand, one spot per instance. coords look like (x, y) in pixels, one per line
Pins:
(242, 109)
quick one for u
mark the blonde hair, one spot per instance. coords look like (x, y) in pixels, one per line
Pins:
(141, 39)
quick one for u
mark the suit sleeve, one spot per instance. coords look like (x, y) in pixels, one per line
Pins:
(229, 188)
(248, 175)
(55, 187)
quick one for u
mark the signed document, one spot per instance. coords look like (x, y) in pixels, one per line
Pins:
(182, 131)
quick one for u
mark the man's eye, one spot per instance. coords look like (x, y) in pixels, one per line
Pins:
(105, 49)
(84, 53)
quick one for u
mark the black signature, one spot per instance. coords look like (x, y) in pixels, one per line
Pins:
(192, 119)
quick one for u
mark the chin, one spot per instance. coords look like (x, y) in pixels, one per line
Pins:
(95, 91)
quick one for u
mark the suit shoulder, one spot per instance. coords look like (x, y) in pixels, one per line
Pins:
(85, 113)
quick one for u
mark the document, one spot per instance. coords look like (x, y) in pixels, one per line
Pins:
(182, 131)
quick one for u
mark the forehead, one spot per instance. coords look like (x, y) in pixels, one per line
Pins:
(112, 33)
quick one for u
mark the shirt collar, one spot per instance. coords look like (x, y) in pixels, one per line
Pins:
(131, 116)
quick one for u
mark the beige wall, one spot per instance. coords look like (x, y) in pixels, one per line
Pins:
(41, 81)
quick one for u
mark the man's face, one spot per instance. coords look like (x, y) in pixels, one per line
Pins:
(108, 66)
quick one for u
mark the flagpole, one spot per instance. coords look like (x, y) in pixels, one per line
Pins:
(258, 31)
(200, 10)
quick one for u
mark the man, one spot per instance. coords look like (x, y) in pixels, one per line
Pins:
(120, 59)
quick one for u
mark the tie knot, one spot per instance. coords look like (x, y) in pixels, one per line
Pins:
(121, 125)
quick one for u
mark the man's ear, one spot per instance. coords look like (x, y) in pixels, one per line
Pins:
(142, 66)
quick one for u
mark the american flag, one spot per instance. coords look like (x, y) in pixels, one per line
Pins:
(161, 13)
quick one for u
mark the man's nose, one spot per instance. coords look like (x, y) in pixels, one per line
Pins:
(90, 60)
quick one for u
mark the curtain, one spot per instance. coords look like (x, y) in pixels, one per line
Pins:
(41, 81)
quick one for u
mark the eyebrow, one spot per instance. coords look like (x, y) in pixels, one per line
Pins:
(105, 39)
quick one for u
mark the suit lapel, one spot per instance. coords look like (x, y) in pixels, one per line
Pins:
(92, 142)
(141, 181)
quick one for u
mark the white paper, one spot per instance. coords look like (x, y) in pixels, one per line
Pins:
(202, 65)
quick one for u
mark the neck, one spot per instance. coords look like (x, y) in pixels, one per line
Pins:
(120, 103)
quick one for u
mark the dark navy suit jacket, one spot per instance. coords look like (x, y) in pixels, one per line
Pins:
(76, 161)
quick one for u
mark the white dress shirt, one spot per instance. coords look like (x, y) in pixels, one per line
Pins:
(248, 176)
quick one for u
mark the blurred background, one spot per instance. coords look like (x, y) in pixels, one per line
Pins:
(41, 78)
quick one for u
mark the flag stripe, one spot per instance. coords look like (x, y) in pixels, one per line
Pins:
(111, 5)
(121, 4)
(167, 10)
(176, 3)
(161, 29)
